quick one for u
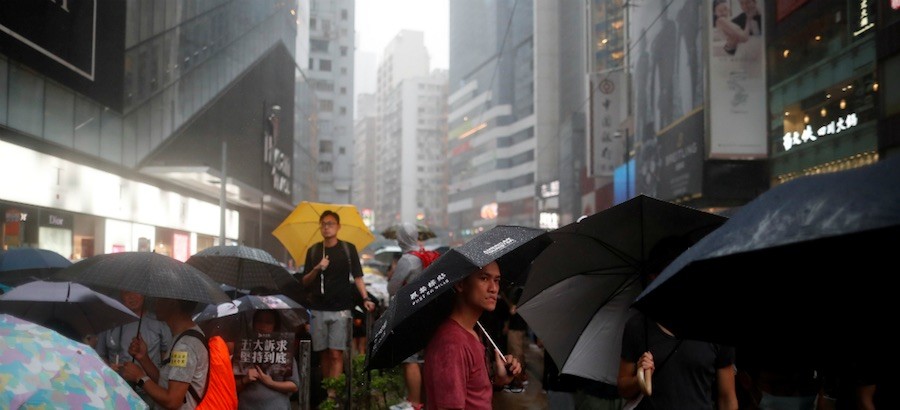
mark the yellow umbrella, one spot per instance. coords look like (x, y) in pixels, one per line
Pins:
(300, 229)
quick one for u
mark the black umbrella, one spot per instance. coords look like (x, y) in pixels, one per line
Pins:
(580, 288)
(804, 268)
(150, 274)
(23, 265)
(420, 306)
(55, 304)
(246, 268)
(230, 317)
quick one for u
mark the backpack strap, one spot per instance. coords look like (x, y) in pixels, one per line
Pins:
(195, 334)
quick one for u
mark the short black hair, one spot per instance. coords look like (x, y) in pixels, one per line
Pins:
(187, 306)
(329, 212)
(275, 315)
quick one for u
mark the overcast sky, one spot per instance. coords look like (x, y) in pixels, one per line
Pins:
(378, 21)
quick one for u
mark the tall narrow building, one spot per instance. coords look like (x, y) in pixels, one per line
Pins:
(364, 158)
(491, 139)
(410, 181)
(330, 69)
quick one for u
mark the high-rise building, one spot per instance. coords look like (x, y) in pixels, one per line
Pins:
(331, 71)
(410, 172)
(365, 157)
(491, 138)
(114, 115)
(823, 92)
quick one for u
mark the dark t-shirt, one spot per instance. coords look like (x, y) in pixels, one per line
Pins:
(456, 373)
(686, 378)
(338, 288)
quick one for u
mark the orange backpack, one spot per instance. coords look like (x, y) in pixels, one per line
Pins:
(221, 391)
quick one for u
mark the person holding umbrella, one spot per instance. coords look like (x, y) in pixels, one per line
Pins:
(456, 369)
(112, 345)
(684, 372)
(329, 263)
(186, 367)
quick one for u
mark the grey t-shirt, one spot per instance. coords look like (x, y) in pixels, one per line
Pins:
(189, 362)
(115, 341)
(258, 397)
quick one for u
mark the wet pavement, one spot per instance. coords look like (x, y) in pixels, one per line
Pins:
(534, 396)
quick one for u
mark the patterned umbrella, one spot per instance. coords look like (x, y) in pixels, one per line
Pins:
(150, 274)
(40, 368)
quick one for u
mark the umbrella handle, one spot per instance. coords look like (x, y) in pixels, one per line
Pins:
(644, 381)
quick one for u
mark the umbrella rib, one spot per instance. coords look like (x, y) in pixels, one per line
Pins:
(617, 292)
(615, 251)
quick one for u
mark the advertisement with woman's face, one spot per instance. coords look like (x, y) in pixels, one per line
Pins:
(737, 83)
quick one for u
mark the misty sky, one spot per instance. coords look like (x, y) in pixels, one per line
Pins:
(378, 21)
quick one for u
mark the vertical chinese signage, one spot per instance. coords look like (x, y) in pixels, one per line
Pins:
(606, 145)
(737, 81)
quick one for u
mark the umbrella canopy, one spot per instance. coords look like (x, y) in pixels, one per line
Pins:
(245, 268)
(425, 233)
(230, 317)
(75, 305)
(40, 368)
(805, 268)
(300, 229)
(150, 274)
(580, 288)
(22, 265)
(420, 306)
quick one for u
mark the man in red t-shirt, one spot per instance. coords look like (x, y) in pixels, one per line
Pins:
(456, 368)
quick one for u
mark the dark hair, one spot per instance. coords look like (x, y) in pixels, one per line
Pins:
(187, 306)
(330, 213)
(715, 4)
(274, 314)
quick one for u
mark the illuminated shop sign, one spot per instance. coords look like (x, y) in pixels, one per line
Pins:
(795, 138)
(865, 18)
(550, 190)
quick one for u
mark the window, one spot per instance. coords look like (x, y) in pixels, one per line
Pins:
(326, 147)
(325, 167)
(343, 111)
(326, 105)
(342, 150)
(343, 90)
(325, 65)
(343, 51)
(343, 69)
(344, 14)
(318, 45)
(312, 24)
(312, 65)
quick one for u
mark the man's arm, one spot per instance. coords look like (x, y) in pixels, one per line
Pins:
(361, 287)
(171, 398)
(725, 384)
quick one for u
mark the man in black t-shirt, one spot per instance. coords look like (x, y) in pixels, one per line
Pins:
(685, 373)
(330, 266)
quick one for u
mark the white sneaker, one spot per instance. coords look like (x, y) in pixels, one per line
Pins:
(403, 405)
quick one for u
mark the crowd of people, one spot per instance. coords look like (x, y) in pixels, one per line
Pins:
(462, 366)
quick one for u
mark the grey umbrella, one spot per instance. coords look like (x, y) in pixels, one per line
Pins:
(150, 274)
(70, 304)
(580, 288)
(245, 267)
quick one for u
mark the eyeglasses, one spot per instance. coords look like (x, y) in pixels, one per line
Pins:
(327, 224)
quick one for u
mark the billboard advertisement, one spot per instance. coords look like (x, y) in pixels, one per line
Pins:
(737, 80)
(666, 59)
(681, 151)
